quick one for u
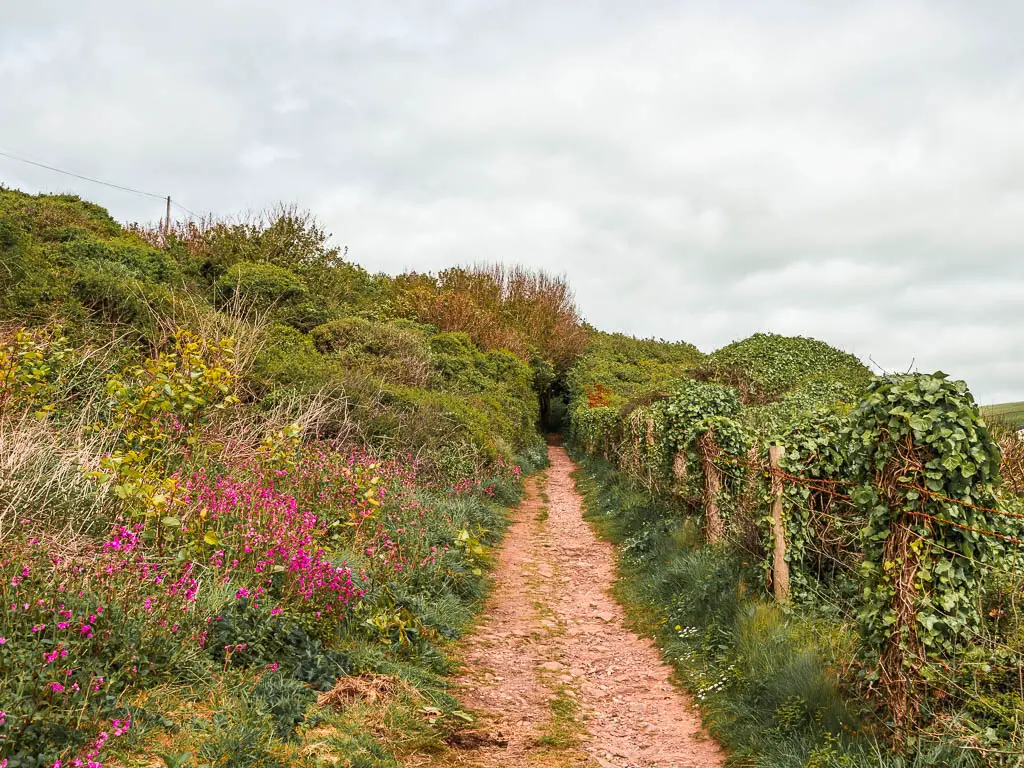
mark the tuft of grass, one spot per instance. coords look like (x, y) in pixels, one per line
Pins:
(564, 728)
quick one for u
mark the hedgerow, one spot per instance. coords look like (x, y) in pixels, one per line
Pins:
(883, 492)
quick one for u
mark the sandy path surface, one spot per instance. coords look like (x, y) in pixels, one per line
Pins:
(551, 669)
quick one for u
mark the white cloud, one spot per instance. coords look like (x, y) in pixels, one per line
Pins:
(259, 156)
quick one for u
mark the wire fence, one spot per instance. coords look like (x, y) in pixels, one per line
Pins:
(986, 653)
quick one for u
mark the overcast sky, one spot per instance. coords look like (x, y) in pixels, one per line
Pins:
(700, 171)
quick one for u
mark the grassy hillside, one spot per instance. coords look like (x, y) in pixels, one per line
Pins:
(1010, 414)
(237, 471)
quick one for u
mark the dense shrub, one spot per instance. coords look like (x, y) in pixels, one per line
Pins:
(528, 313)
(116, 296)
(139, 260)
(765, 365)
(395, 353)
(924, 559)
(288, 358)
(625, 368)
(55, 218)
(264, 285)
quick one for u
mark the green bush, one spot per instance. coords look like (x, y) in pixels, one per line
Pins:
(924, 559)
(288, 358)
(247, 636)
(766, 365)
(116, 296)
(54, 218)
(286, 699)
(240, 738)
(268, 288)
(627, 367)
(387, 350)
(264, 286)
(139, 260)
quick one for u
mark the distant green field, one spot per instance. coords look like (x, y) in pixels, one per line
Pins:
(1009, 413)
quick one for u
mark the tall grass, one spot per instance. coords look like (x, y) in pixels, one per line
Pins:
(43, 481)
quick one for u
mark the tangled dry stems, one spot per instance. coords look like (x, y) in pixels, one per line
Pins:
(357, 689)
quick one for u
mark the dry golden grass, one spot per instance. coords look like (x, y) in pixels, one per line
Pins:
(42, 478)
(371, 689)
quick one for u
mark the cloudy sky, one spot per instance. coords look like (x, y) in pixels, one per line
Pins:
(699, 170)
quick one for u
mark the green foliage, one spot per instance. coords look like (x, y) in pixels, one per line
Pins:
(766, 365)
(529, 313)
(138, 259)
(596, 430)
(768, 421)
(286, 699)
(628, 367)
(55, 218)
(239, 737)
(919, 435)
(264, 285)
(156, 405)
(247, 636)
(30, 366)
(822, 529)
(112, 292)
(288, 358)
(386, 350)
(268, 288)
(38, 261)
(690, 408)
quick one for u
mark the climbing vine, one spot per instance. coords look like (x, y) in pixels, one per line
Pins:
(928, 470)
(822, 527)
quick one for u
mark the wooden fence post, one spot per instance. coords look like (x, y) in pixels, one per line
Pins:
(714, 526)
(679, 469)
(780, 568)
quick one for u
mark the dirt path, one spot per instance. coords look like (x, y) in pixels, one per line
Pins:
(554, 673)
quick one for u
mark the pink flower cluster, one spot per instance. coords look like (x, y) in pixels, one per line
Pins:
(119, 727)
(262, 530)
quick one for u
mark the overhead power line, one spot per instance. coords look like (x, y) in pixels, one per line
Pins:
(134, 191)
(186, 210)
(81, 176)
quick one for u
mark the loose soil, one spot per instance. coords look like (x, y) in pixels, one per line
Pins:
(551, 670)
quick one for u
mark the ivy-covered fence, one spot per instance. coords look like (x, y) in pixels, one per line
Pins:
(887, 502)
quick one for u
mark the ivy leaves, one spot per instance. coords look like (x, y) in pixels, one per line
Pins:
(770, 364)
(921, 446)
